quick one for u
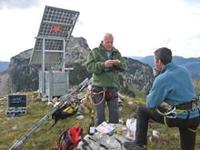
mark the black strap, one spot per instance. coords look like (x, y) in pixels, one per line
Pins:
(188, 115)
(184, 106)
(199, 113)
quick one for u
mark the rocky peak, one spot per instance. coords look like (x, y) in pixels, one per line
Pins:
(22, 58)
(139, 75)
(24, 77)
(77, 50)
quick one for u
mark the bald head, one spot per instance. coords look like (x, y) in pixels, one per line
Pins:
(108, 41)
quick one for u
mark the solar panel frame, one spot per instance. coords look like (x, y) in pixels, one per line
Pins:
(57, 16)
(55, 29)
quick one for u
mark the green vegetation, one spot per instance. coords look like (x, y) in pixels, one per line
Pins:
(45, 138)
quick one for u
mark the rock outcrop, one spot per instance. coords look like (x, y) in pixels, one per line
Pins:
(139, 75)
(21, 76)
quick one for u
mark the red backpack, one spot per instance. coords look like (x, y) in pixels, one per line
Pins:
(70, 138)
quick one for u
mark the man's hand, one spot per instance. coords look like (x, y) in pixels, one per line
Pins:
(110, 63)
(116, 62)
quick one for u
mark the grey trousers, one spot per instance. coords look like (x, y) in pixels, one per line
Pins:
(111, 99)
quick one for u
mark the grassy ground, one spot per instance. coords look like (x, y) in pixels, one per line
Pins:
(45, 138)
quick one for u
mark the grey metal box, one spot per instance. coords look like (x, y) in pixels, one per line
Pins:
(56, 83)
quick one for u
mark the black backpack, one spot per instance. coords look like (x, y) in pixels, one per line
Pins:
(64, 112)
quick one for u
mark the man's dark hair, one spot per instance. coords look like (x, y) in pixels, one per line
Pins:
(164, 54)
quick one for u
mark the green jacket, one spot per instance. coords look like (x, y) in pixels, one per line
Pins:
(101, 76)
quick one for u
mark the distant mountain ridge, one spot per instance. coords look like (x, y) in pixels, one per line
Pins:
(3, 65)
(192, 64)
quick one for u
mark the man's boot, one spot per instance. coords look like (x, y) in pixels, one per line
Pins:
(134, 146)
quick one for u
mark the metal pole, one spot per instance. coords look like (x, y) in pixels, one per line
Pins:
(63, 60)
(43, 66)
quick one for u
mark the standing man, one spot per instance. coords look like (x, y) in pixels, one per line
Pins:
(173, 85)
(105, 62)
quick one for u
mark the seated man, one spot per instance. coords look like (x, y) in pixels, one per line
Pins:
(173, 86)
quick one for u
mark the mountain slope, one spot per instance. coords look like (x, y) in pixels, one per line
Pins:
(192, 64)
(45, 138)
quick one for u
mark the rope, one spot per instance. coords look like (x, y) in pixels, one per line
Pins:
(103, 97)
(165, 121)
(91, 109)
(164, 115)
(175, 111)
(192, 130)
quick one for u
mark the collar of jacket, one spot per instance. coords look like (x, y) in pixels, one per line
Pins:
(169, 65)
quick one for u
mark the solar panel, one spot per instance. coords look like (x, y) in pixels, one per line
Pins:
(57, 22)
(55, 30)
(50, 44)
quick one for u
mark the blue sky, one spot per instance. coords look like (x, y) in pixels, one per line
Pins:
(139, 26)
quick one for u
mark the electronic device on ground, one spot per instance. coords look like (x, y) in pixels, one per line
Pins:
(17, 105)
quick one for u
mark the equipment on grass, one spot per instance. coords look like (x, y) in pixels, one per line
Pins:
(65, 112)
(64, 100)
(17, 105)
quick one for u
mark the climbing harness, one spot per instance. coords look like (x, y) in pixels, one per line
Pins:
(103, 92)
(172, 111)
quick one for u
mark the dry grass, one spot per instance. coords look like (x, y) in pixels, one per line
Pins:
(45, 138)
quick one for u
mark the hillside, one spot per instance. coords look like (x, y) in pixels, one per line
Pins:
(193, 64)
(22, 77)
(46, 138)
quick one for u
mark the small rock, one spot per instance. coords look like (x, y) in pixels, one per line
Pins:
(55, 104)
(54, 100)
(1, 111)
(121, 96)
(155, 133)
(14, 127)
(120, 108)
(44, 99)
(80, 117)
(50, 104)
(130, 102)
(3, 98)
(154, 137)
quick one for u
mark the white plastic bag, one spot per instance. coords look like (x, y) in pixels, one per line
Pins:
(131, 128)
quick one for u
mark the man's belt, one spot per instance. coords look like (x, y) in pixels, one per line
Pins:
(189, 105)
(184, 106)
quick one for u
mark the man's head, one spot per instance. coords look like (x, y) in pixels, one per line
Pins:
(162, 57)
(108, 41)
